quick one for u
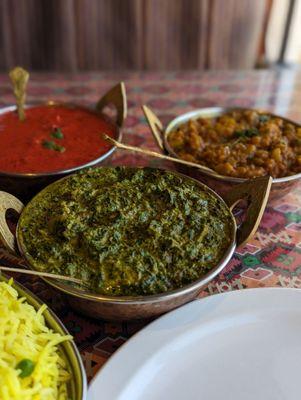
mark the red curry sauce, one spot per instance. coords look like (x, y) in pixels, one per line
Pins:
(51, 138)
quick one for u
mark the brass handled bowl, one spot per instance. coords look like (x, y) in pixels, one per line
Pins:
(77, 388)
(255, 192)
(25, 185)
(220, 183)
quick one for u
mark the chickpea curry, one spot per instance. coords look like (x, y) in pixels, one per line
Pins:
(241, 143)
(126, 231)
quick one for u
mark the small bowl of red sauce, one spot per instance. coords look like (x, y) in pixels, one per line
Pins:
(54, 140)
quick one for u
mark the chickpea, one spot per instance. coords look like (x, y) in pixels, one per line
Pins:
(251, 148)
(225, 168)
(177, 139)
(191, 124)
(290, 126)
(278, 122)
(205, 121)
(187, 157)
(256, 140)
(266, 140)
(252, 117)
(262, 154)
(220, 129)
(270, 163)
(258, 161)
(259, 172)
(195, 141)
(241, 171)
(276, 154)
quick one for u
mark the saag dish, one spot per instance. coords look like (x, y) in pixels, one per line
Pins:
(126, 231)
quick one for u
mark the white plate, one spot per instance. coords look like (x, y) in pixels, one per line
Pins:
(240, 345)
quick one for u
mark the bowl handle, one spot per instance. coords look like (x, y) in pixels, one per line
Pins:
(117, 97)
(155, 125)
(8, 202)
(256, 192)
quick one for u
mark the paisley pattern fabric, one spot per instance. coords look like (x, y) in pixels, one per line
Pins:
(272, 258)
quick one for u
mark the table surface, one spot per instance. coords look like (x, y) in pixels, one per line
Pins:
(272, 258)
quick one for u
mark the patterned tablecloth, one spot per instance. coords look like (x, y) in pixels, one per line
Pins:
(272, 258)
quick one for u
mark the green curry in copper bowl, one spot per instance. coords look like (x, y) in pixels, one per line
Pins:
(142, 240)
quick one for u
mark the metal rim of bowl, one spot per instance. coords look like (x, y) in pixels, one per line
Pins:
(213, 112)
(156, 298)
(69, 170)
(32, 298)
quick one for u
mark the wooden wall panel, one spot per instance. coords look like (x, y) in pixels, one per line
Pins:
(71, 35)
(60, 42)
(235, 33)
(14, 37)
(6, 56)
(38, 34)
(109, 34)
(175, 34)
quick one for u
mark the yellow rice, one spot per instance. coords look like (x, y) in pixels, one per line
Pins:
(24, 335)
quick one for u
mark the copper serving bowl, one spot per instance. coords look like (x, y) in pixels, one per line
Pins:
(77, 387)
(256, 193)
(25, 185)
(220, 183)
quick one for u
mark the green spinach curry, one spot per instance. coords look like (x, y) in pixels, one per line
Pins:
(126, 231)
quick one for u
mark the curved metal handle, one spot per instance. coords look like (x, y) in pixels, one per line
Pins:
(8, 202)
(155, 125)
(117, 97)
(256, 192)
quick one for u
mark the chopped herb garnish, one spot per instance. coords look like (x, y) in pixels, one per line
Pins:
(49, 144)
(264, 118)
(26, 367)
(57, 133)
(246, 133)
(59, 148)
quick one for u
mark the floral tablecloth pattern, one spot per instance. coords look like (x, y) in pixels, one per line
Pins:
(272, 258)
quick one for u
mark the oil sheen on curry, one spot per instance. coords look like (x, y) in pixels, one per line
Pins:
(126, 231)
(51, 138)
